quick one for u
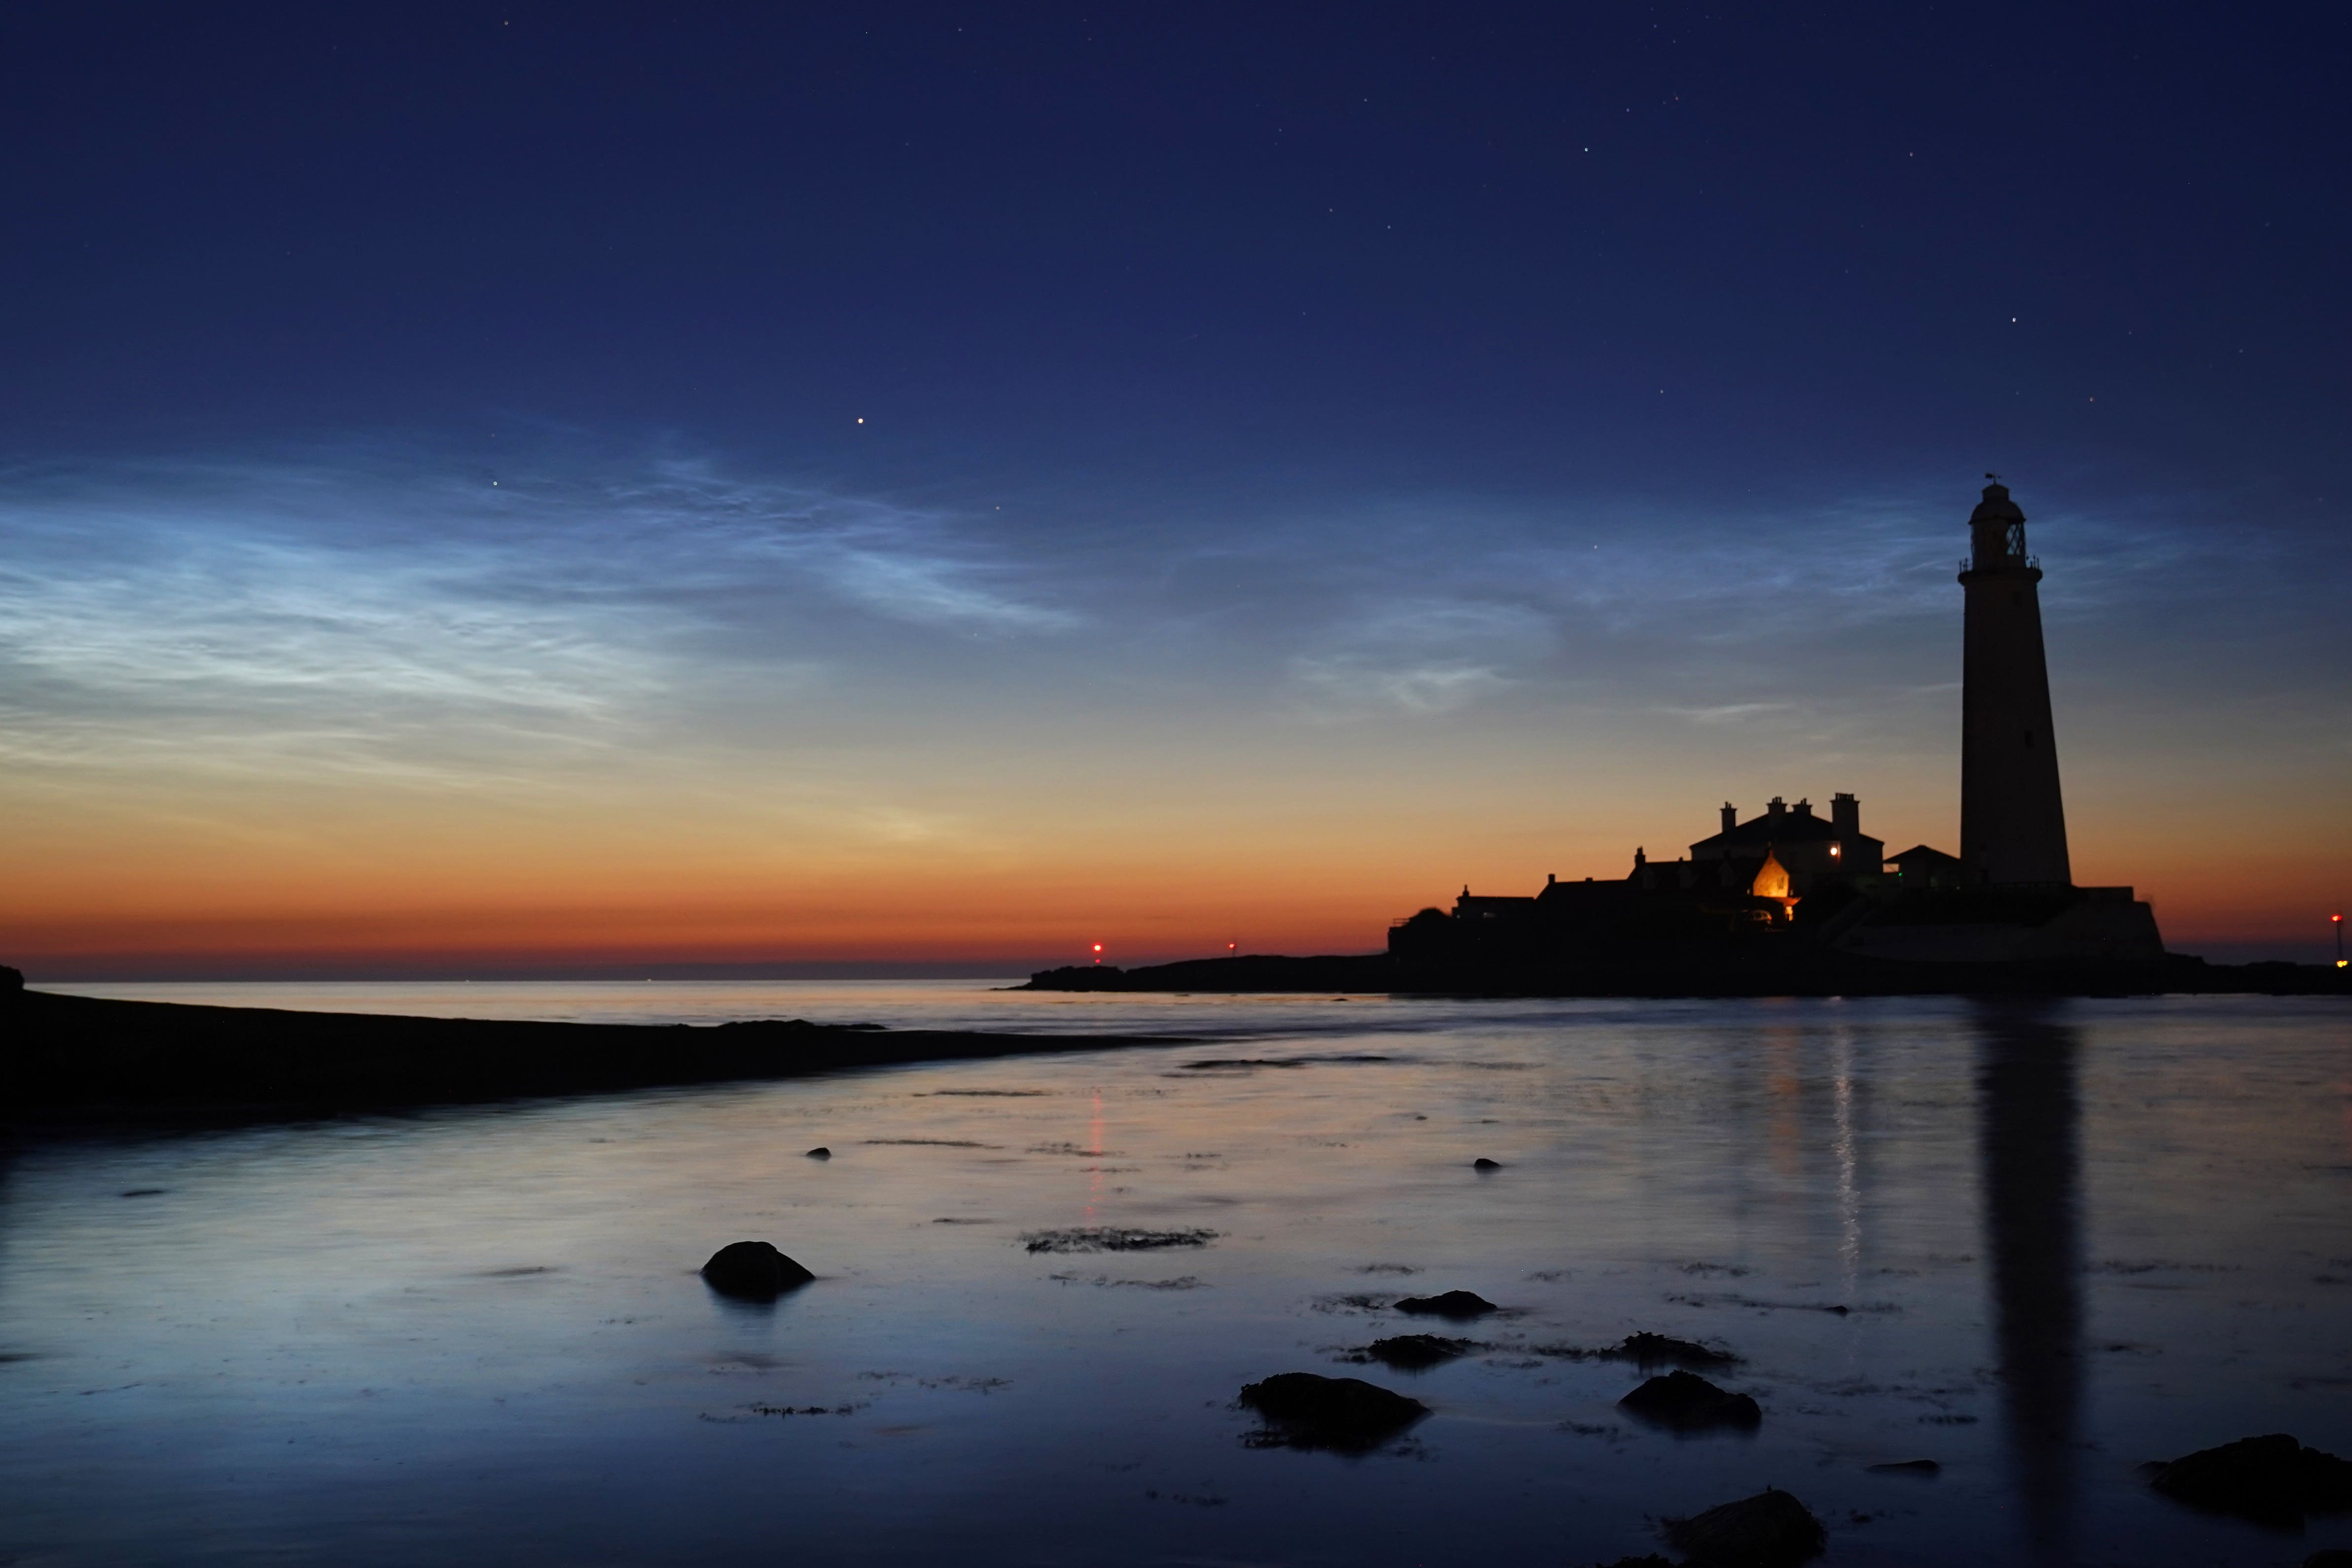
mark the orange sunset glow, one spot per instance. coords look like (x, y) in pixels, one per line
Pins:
(1291, 835)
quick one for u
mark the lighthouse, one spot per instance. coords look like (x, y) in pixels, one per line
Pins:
(2012, 822)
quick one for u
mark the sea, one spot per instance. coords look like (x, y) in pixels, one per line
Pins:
(2039, 1244)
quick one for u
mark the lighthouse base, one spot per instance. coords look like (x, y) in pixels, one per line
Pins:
(2002, 925)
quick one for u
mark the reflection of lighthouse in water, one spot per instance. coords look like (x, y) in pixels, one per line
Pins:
(2027, 1141)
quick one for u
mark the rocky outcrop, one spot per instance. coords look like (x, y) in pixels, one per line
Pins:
(110, 1059)
(1688, 1402)
(1305, 1410)
(2273, 1480)
(1454, 1304)
(753, 1271)
(1412, 1352)
(1770, 1530)
(1650, 1349)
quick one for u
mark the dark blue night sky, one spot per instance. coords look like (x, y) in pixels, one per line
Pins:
(405, 405)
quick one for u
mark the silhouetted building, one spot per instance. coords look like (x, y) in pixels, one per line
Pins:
(1751, 876)
(1793, 881)
(2012, 822)
(1800, 840)
(1779, 855)
(1480, 907)
(1920, 867)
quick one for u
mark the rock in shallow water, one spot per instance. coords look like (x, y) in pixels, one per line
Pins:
(2273, 1480)
(1659, 1350)
(1770, 1530)
(1453, 1304)
(819, 1153)
(753, 1271)
(1688, 1402)
(1305, 1410)
(1413, 1352)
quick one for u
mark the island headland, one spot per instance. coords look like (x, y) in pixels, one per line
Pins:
(1790, 902)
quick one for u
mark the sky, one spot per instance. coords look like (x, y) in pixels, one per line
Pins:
(616, 489)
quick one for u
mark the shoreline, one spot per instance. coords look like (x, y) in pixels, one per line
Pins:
(71, 1063)
(1724, 972)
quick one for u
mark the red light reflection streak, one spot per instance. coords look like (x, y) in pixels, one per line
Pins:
(1094, 1172)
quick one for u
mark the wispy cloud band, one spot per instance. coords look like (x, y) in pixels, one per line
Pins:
(366, 603)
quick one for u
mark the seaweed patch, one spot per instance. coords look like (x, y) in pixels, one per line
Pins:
(1111, 1238)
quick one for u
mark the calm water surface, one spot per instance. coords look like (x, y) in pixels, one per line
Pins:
(2066, 1238)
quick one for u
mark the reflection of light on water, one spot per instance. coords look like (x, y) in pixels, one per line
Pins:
(1095, 1141)
(1849, 1183)
(1785, 1083)
(541, 1256)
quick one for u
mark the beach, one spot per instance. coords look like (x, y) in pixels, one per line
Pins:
(2037, 1244)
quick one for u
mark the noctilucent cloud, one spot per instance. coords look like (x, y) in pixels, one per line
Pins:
(588, 489)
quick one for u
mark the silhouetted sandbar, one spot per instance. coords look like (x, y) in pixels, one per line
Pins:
(86, 1059)
(1732, 969)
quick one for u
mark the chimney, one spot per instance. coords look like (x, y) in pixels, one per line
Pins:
(1731, 816)
(1775, 808)
(1803, 809)
(1639, 859)
(1845, 814)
